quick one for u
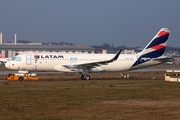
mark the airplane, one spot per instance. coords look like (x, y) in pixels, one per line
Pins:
(151, 55)
(3, 60)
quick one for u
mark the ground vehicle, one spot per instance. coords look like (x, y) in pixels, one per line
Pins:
(21, 76)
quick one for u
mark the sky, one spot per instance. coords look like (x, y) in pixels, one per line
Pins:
(90, 22)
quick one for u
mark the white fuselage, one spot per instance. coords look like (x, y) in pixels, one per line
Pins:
(55, 62)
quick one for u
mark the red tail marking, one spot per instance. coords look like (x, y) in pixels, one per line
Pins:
(157, 47)
(161, 33)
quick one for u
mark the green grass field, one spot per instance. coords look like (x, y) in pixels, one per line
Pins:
(89, 100)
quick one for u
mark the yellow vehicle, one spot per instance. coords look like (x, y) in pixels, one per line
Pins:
(21, 77)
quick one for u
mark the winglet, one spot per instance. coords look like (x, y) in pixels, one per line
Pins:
(116, 56)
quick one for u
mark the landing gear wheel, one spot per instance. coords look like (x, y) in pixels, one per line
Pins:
(85, 77)
(82, 77)
(21, 78)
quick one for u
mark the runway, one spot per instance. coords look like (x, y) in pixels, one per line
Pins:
(154, 69)
(151, 69)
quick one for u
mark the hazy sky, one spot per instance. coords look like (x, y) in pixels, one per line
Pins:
(91, 22)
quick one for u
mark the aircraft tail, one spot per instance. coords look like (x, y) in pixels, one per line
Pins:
(155, 48)
(157, 45)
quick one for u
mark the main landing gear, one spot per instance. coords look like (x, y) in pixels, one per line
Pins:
(85, 77)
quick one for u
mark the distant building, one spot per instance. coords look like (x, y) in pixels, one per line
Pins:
(129, 51)
(172, 53)
(10, 50)
(100, 51)
(22, 43)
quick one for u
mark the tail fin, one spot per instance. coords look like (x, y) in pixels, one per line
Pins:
(157, 45)
(1, 56)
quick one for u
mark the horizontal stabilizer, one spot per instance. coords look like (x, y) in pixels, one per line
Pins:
(164, 59)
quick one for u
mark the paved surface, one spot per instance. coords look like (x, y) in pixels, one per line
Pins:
(155, 69)
(139, 70)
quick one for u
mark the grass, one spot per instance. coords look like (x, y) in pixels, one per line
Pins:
(106, 96)
(87, 100)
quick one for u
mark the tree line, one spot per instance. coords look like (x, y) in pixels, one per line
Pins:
(112, 48)
(103, 46)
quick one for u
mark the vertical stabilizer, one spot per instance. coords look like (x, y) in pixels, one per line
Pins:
(155, 48)
(157, 45)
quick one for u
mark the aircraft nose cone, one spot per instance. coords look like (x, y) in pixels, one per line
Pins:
(7, 64)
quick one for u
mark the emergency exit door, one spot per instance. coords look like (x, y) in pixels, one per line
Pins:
(28, 59)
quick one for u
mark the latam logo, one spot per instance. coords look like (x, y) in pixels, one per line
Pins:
(145, 59)
(48, 56)
(36, 56)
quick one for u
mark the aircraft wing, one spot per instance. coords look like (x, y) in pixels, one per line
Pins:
(92, 64)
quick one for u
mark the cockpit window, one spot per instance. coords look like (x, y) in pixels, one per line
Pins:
(16, 59)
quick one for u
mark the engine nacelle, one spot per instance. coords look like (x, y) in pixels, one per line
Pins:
(96, 69)
(62, 69)
(74, 69)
